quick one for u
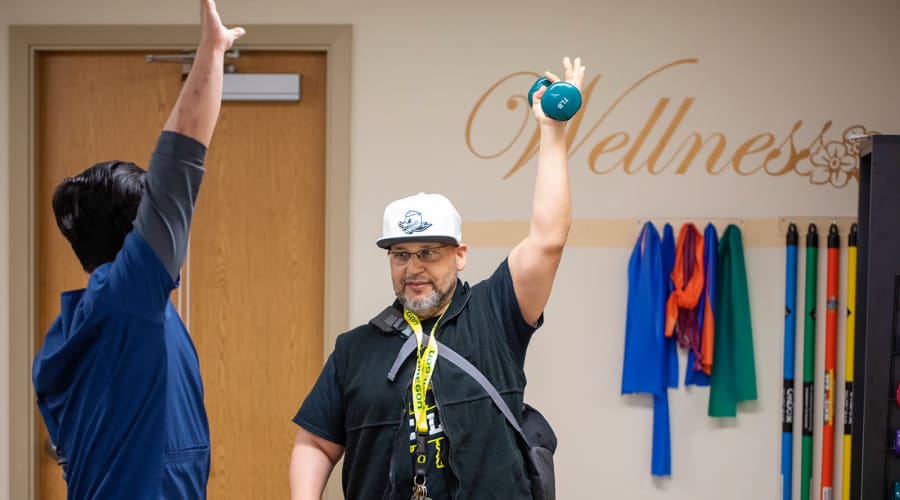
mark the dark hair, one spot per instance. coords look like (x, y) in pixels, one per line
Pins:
(95, 210)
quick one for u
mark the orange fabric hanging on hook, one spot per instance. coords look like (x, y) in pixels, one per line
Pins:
(687, 277)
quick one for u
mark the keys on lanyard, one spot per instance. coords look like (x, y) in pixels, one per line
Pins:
(420, 492)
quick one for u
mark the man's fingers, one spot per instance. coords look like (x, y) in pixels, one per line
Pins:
(207, 7)
(536, 101)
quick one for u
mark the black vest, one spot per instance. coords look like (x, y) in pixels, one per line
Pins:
(484, 454)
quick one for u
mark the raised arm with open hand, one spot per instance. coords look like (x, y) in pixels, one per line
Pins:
(197, 109)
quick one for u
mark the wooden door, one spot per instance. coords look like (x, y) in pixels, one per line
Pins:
(253, 284)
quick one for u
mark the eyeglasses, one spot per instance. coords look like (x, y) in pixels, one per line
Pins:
(401, 257)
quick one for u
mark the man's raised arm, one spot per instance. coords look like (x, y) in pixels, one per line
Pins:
(177, 165)
(197, 109)
(533, 262)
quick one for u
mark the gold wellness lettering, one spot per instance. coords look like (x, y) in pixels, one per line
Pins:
(824, 161)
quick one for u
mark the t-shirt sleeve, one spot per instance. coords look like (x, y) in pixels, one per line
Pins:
(170, 194)
(322, 413)
(137, 281)
(502, 296)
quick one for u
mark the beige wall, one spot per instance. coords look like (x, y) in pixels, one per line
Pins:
(4, 256)
(420, 67)
(4, 259)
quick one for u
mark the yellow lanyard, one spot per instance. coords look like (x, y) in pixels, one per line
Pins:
(425, 361)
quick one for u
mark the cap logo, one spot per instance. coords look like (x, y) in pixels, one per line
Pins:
(413, 223)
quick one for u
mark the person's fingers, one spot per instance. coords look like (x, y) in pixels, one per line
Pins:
(238, 32)
(207, 8)
(536, 101)
(553, 78)
(567, 64)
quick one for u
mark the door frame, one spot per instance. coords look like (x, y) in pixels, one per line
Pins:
(25, 43)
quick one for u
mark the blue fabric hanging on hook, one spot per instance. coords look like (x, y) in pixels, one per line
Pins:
(647, 367)
(706, 318)
(668, 258)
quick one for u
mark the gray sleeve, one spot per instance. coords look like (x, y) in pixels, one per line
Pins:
(170, 193)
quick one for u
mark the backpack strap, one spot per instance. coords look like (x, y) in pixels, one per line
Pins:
(406, 349)
(463, 364)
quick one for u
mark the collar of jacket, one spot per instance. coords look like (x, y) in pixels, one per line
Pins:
(457, 304)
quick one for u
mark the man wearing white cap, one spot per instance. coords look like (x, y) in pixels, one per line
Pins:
(418, 426)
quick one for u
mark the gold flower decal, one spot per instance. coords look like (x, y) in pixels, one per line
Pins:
(832, 163)
(850, 134)
(836, 162)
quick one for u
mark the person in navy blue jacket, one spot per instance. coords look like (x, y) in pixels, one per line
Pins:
(117, 378)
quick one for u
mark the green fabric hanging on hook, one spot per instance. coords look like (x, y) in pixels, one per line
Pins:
(733, 377)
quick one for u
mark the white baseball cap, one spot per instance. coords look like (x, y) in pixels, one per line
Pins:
(423, 217)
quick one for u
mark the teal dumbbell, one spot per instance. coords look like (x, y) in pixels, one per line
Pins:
(560, 101)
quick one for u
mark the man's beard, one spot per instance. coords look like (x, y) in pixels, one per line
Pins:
(425, 307)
